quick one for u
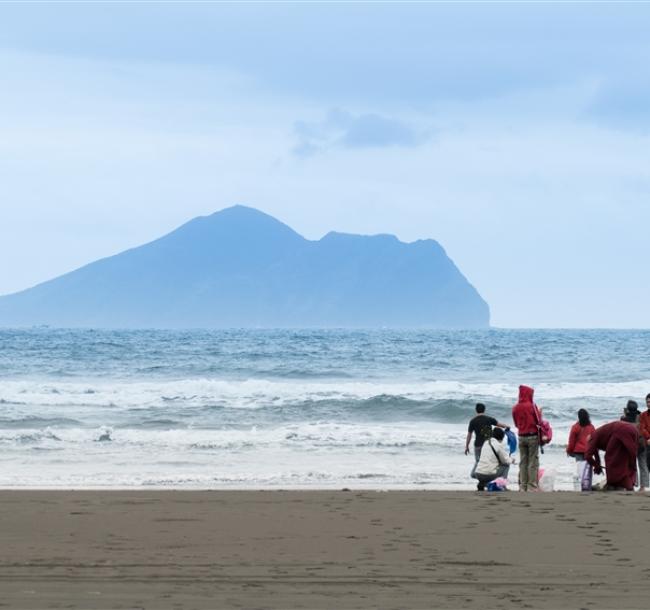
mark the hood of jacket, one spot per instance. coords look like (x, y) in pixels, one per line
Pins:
(525, 393)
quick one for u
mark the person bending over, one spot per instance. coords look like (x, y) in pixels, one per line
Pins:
(620, 441)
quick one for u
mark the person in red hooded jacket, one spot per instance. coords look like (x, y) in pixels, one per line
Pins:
(527, 416)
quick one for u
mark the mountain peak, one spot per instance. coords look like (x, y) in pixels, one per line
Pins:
(240, 211)
(241, 217)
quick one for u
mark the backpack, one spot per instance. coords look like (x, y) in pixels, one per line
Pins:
(512, 441)
(545, 432)
(543, 428)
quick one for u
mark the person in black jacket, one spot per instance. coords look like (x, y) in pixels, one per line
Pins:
(481, 426)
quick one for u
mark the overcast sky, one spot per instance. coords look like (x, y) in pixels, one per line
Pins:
(517, 135)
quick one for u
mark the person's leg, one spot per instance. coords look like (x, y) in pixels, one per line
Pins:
(577, 478)
(533, 462)
(477, 456)
(483, 480)
(502, 471)
(642, 459)
(523, 463)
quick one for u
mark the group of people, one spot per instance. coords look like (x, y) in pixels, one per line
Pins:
(625, 442)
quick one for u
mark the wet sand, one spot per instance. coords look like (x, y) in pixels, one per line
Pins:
(323, 549)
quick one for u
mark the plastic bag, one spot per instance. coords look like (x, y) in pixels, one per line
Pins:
(499, 484)
(546, 479)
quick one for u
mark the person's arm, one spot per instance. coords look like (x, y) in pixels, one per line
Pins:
(537, 413)
(468, 439)
(514, 417)
(504, 426)
(591, 455)
(573, 437)
(645, 426)
(504, 456)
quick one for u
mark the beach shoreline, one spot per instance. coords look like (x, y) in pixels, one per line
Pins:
(322, 549)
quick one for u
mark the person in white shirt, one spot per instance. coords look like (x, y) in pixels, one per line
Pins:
(495, 460)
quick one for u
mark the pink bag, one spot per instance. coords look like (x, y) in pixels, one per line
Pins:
(545, 432)
(543, 427)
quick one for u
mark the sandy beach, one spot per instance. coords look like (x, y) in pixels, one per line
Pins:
(322, 549)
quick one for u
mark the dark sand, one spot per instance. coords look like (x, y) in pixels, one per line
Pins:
(322, 549)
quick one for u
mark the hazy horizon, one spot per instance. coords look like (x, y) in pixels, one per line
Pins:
(516, 135)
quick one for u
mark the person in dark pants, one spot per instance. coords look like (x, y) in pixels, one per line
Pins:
(481, 426)
(631, 415)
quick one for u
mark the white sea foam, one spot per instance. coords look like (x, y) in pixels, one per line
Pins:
(257, 393)
(304, 435)
(271, 465)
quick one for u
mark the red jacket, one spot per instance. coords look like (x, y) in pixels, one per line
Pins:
(579, 438)
(525, 413)
(644, 425)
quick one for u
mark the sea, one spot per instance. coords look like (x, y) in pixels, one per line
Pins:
(292, 409)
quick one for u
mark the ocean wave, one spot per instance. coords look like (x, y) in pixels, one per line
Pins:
(155, 424)
(23, 437)
(308, 434)
(206, 403)
(36, 422)
(259, 393)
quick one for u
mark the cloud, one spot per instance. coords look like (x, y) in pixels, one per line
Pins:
(341, 129)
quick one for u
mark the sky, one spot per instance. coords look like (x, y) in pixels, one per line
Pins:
(515, 134)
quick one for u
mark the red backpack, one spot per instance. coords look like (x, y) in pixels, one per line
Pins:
(545, 432)
(543, 428)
